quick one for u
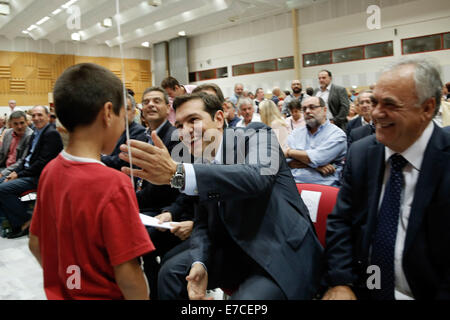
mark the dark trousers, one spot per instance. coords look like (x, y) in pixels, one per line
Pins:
(237, 272)
(11, 207)
(164, 241)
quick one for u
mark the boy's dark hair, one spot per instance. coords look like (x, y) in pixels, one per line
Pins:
(159, 89)
(211, 86)
(82, 91)
(170, 82)
(211, 103)
(294, 104)
(310, 91)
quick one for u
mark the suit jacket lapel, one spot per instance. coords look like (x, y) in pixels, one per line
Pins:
(430, 173)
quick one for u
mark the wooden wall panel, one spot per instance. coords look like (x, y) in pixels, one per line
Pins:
(28, 77)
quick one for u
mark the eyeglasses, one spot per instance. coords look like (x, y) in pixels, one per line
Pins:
(311, 106)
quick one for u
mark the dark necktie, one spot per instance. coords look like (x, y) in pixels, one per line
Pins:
(383, 245)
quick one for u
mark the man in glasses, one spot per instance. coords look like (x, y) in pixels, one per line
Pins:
(316, 151)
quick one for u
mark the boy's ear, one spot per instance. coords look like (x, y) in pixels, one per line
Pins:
(107, 112)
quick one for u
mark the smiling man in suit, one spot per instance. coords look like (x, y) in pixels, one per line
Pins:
(251, 231)
(335, 97)
(387, 237)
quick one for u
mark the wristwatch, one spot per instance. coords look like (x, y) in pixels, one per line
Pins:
(177, 180)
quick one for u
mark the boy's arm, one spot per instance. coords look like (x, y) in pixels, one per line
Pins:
(131, 280)
(33, 244)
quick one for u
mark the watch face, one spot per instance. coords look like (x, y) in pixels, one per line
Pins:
(178, 181)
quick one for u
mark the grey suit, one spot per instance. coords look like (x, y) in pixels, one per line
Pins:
(22, 149)
(338, 104)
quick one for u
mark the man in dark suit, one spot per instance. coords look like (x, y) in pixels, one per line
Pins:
(45, 145)
(364, 100)
(160, 201)
(387, 237)
(359, 133)
(251, 230)
(135, 130)
(336, 98)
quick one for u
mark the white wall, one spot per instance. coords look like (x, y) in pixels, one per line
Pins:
(324, 26)
(25, 44)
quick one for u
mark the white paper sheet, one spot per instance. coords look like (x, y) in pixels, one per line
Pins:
(311, 200)
(153, 222)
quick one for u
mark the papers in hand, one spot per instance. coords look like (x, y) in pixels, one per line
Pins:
(153, 222)
(311, 200)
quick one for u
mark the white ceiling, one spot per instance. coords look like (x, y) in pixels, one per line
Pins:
(139, 21)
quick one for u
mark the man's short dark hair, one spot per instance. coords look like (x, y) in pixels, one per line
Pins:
(159, 89)
(211, 103)
(327, 71)
(294, 104)
(170, 82)
(82, 91)
(18, 115)
(211, 86)
(310, 91)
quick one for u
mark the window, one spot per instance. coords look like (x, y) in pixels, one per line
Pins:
(377, 50)
(265, 66)
(207, 74)
(348, 54)
(315, 59)
(369, 51)
(447, 40)
(192, 76)
(222, 72)
(285, 63)
(242, 69)
(421, 44)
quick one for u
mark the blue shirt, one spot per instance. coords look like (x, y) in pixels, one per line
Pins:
(35, 138)
(328, 145)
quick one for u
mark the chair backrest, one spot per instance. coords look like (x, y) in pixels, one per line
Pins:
(326, 205)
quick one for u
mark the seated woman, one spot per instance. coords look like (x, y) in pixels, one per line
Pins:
(271, 116)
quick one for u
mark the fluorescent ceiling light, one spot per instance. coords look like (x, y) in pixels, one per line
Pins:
(182, 33)
(25, 31)
(68, 4)
(56, 11)
(32, 27)
(76, 36)
(107, 23)
(146, 44)
(5, 9)
(44, 19)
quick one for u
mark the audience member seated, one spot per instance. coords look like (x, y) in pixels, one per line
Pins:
(234, 243)
(296, 120)
(136, 132)
(175, 89)
(353, 111)
(316, 151)
(45, 144)
(230, 114)
(238, 93)
(157, 200)
(15, 143)
(271, 116)
(259, 93)
(388, 236)
(368, 128)
(248, 113)
(364, 102)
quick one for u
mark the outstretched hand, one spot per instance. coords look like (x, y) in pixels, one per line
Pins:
(155, 162)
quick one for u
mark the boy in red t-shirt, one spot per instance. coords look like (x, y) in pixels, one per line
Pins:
(86, 232)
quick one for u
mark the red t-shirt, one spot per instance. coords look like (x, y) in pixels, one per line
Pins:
(87, 217)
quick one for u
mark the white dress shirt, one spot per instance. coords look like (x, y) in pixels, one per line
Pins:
(325, 95)
(414, 156)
